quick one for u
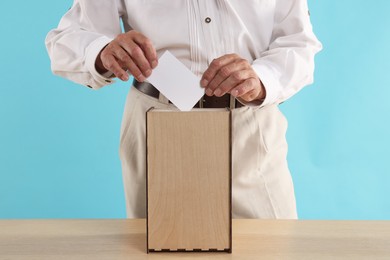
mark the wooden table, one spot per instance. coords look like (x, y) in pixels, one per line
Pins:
(252, 239)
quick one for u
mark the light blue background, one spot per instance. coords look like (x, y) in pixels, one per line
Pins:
(59, 141)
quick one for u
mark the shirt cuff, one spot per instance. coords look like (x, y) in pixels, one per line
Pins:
(268, 76)
(108, 74)
(98, 80)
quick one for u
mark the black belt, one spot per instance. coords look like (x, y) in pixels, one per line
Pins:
(208, 102)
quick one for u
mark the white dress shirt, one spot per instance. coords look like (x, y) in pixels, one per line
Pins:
(275, 36)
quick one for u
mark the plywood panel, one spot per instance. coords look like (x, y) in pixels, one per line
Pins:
(189, 180)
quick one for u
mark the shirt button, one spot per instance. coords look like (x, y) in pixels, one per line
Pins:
(207, 20)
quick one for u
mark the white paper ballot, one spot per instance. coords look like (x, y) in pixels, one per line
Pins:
(176, 82)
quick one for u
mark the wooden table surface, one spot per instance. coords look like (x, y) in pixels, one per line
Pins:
(252, 239)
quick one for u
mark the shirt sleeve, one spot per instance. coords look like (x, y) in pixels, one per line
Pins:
(288, 65)
(82, 33)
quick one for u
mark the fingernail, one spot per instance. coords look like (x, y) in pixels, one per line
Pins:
(141, 78)
(154, 64)
(204, 83)
(217, 92)
(125, 77)
(209, 92)
(148, 73)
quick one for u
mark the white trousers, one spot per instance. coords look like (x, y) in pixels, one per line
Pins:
(262, 186)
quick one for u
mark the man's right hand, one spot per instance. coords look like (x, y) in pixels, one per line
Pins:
(130, 51)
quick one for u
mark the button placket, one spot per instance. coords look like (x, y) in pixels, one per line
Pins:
(207, 10)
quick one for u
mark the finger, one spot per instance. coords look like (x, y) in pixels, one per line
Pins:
(148, 48)
(112, 65)
(226, 71)
(233, 81)
(138, 56)
(215, 66)
(247, 90)
(125, 61)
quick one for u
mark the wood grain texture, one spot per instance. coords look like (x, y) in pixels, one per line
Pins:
(253, 239)
(189, 175)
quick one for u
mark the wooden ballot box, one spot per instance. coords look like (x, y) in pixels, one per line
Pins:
(189, 180)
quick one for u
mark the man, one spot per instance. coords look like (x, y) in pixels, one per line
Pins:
(261, 52)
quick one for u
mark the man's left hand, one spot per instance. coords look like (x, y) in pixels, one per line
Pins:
(232, 74)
